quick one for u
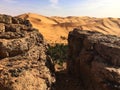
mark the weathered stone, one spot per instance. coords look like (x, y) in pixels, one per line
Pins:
(2, 27)
(24, 64)
(5, 19)
(95, 59)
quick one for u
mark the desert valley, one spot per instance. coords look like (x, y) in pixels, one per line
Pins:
(54, 28)
(59, 53)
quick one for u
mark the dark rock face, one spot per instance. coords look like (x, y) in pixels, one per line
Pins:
(24, 64)
(95, 59)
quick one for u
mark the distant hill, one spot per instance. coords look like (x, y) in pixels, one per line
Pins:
(55, 29)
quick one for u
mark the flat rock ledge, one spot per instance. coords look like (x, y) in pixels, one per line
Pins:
(94, 58)
(24, 64)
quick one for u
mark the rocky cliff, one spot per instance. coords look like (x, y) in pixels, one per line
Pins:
(94, 58)
(24, 64)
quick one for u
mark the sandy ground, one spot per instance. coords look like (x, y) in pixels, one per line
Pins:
(53, 28)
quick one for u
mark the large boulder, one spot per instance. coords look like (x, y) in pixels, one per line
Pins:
(95, 59)
(24, 64)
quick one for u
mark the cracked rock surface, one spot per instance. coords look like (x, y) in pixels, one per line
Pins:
(24, 64)
(95, 59)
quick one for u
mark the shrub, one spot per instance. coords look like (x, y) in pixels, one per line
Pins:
(58, 53)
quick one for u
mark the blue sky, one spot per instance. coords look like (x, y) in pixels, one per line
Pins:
(94, 8)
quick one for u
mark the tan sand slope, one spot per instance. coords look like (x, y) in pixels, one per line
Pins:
(55, 28)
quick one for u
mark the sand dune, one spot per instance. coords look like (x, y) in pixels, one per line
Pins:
(54, 28)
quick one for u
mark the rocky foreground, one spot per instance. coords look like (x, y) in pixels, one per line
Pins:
(95, 59)
(24, 64)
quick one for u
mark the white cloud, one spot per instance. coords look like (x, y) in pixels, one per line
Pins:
(54, 1)
(98, 8)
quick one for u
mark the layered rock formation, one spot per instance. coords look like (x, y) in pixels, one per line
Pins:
(95, 59)
(24, 64)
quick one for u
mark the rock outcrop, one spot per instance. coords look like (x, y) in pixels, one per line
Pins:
(95, 59)
(24, 64)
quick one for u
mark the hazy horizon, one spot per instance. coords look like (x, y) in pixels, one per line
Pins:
(92, 8)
